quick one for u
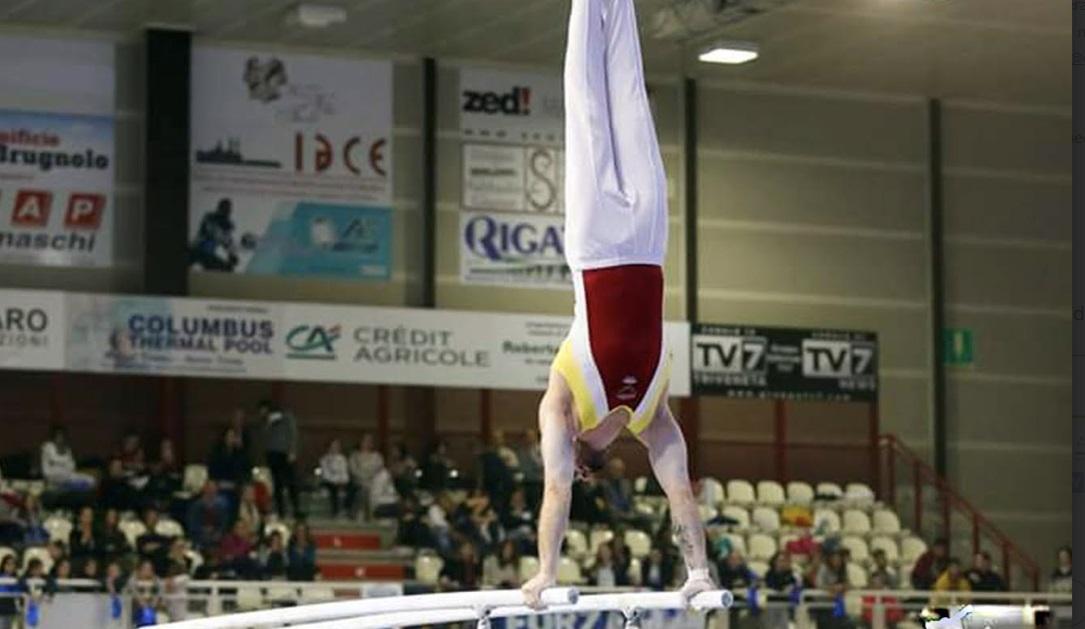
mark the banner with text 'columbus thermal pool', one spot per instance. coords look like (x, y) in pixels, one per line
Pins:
(291, 164)
(56, 152)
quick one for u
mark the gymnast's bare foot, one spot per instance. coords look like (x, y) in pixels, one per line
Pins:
(533, 589)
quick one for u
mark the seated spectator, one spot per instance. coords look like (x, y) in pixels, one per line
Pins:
(114, 581)
(531, 467)
(9, 592)
(981, 577)
(301, 555)
(436, 468)
(1062, 579)
(88, 569)
(152, 545)
(112, 544)
(211, 569)
(177, 560)
(930, 565)
(657, 571)
(207, 518)
(496, 476)
(58, 464)
(734, 573)
(833, 573)
(518, 519)
(11, 522)
(478, 522)
(229, 465)
(132, 456)
(335, 477)
(383, 497)
(587, 503)
(618, 493)
(164, 477)
(145, 589)
(951, 580)
(502, 569)
(438, 519)
(57, 551)
(83, 540)
(61, 571)
(403, 468)
(249, 510)
(881, 567)
(34, 533)
(461, 572)
(33, 582)
(606, 573)
(273, 558)
(236, 551)
(894, 612)
(781, 575)
(117, 491)
(364, 463)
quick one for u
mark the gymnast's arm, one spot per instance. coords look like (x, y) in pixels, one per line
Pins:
(558, 452)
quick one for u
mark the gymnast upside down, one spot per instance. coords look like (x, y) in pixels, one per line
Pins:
(612, 371)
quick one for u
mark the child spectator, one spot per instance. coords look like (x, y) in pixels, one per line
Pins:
(273, 559)
(951, 580)
(882, 569)
(301, 557)
(335, 476)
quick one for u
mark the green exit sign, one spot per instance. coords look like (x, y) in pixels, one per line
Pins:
(958, 346)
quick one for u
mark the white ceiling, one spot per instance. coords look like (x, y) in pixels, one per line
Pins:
(1008, 51)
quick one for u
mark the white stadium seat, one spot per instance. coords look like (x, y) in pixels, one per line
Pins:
(888, 545)
(427, 569)
(857, 576)
(800, 493)
(738, 514)
(770, 493)
(59, 528)
(886, 522)
(569, 572)
(760, 568)
(169, 528)
(281, 528)
(576, 545)
(740, 492)
(7, 552)
(707, 513)
(911, 548)
(762, 546)
(737, 542)
(829, 489)
(767, 519)
(38, 552)
(195, 477)
(639, 543)
(859, 494)
(711, 492)
(826, 520)
(597, 538)
(856, 522)
(857, 548)
(529, 567)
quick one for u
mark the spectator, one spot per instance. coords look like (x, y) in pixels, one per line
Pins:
(833, 574)
(152, 545)
(881, 567)
(131, 455)
(34, 533)
(519, 519)
(33, 582)
(207, 518)
(11, 523)
(981, 577)
(145, 590)
(605, 572)
(478, 521)
(438, 520)
(273, 559)
(58, 464)
(281, 453)
(403, 468)
(57, 551)
(781, 575)
(436, 468)
(242, 430)
(894, 612)
(734, 573)
(177, 557)
(335, 477)
(657, 571)
(301, 555)
(112, 544)
(587, 503)
(951, 580)
(531, 467)
(62, 571)
(365, 462)
(383, 498)
(88, 569)
(497, 473)
(502, 570)
(1062, 579)
(618, 492)
(9, 592)
(930, 565)
(236, 550)
(229, 465)
(165, 477)
(83, 541)
(249, 511)
(113, 581)
(462, 571)
(116, 490)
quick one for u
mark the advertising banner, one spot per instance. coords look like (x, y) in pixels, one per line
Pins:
(57, 152)
(187, 337)
(32, 326)
(513, 178)
(511, 106)
(291, 164)
(787, 363)
(436, 348)
(521, 250)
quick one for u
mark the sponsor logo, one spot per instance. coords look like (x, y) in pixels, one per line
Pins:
(24, 328)
(32, 208)
(511, 241)
(354, 154)
(313, 341)
(210, 335)
(837, 359)
(84, 211)
(729, 354)
(514, 103)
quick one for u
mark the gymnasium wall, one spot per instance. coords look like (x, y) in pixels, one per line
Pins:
(1007, 231)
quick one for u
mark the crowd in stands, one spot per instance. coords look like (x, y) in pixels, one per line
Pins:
(132, 521)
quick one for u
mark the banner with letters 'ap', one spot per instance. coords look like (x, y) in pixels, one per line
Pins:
(291, 164)
(57, 152)
(784, 363)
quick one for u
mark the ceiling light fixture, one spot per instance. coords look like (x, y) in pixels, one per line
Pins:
(730, 52)
(316, 15)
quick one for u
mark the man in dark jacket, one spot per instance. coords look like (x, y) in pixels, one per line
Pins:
(281, 454)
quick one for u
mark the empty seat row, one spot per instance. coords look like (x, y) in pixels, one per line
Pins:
(854, 521)
(767, 492)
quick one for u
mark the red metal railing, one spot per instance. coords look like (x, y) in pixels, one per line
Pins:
(902, 469)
